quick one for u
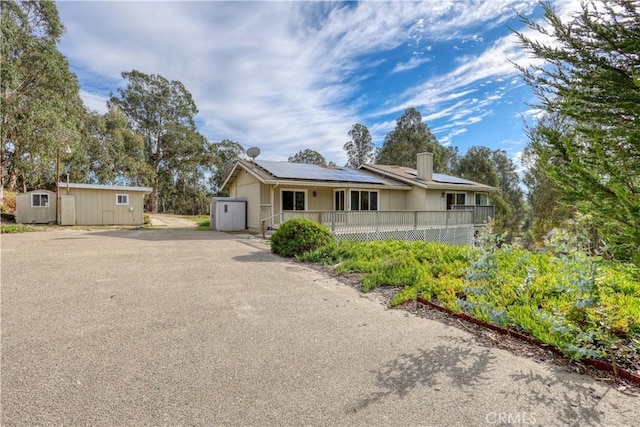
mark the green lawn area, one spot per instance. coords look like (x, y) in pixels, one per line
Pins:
(581, 305)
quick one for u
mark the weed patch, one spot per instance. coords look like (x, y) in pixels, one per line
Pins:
(16, 228)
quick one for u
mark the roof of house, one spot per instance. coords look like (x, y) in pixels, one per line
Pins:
(272, 172)
(438, 182)
(104, 187)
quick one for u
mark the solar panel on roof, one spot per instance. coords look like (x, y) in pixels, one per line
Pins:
(439, 177)
(315, 172)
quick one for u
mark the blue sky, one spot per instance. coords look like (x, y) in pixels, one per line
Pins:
(285, 76)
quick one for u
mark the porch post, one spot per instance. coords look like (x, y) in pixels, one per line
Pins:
(272, 201)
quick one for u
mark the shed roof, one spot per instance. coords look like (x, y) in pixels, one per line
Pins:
(104, 187)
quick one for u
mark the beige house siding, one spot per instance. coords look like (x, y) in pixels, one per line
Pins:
(27, 214)
(394, 200)
(322, 201)
(417, 199)
(435, 201)
(265, 194)
(249, 188)
(98, 207)
(420, 199)
(277, 207)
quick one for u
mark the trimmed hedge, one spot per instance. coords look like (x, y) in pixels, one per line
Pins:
(298, 236)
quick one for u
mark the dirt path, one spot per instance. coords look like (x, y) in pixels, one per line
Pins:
(171, 221)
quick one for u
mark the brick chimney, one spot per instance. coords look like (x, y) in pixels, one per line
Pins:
(425, 166)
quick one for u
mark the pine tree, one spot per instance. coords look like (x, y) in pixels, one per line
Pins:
(589, 78)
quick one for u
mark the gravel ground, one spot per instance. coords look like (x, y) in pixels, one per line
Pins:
(184, 327)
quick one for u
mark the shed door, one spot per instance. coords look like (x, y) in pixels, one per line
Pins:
(67, 210)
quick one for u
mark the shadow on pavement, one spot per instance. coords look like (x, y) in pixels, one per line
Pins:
(573, 404)
(464, 367)
(165, 234)
(264, 255)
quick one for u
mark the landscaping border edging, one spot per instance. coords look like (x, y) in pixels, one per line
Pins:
(597, 364)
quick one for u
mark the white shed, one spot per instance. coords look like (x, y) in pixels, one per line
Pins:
(228, 214)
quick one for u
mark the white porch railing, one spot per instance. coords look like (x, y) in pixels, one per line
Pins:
(481, 213)
(452, 226)
(350, 221)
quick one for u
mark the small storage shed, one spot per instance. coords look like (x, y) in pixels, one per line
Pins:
(92, 204)
(228, 214)
(36, 207)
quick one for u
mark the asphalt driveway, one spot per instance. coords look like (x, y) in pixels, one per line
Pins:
(186, 327)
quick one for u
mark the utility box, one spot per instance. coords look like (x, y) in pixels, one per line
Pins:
(228, 214)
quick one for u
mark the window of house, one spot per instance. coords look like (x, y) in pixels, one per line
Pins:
(454, 199)
(122, 199)
(338, 200)
(364, 200)
(482, 199)
(293, 200)
(39, 200)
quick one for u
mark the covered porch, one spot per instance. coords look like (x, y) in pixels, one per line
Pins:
(345, 221)
(450, 226)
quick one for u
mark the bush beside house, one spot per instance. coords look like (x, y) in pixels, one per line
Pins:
(299, 235)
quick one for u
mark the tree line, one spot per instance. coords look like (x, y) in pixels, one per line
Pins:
(583, 155)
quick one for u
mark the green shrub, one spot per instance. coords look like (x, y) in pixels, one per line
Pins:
(299, 235)
(146, 219)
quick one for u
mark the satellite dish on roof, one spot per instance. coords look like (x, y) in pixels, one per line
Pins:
(253, 152)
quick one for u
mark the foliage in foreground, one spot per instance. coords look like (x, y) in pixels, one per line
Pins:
(16, 228)
(581, 305)
(299, 235)
(586, 80)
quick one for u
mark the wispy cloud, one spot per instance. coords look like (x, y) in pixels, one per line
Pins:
(493, 66)
(94, 102)
(414, 62)
(287, 76)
